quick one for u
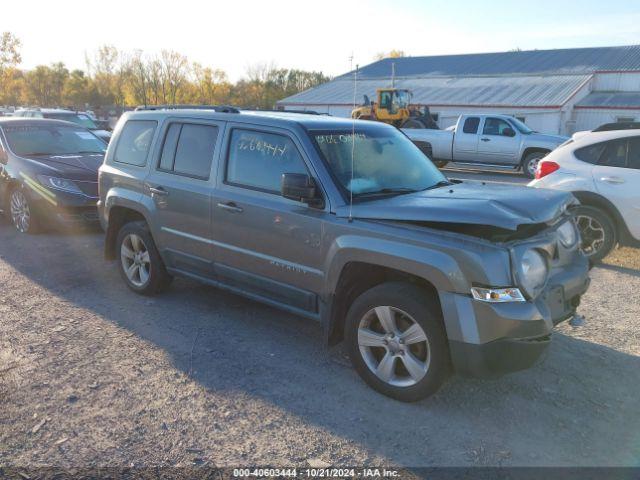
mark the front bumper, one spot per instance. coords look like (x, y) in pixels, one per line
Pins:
(64, 209)
(490, 339)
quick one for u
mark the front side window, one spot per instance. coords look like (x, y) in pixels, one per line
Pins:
(633, 154)
(134, 142)
(494, 126)
(384, 161)
(31, 140)
(258, 160)
(471, 125)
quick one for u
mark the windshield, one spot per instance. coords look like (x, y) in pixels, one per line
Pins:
(79, 118)
(403, 98)
(51, 139)
(384, 161)
(521, 126)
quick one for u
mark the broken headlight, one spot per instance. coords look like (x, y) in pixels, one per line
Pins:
(567, 234)
(532, 272)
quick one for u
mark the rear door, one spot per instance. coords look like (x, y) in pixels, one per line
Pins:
(265, 244)
(617, 177)
(496, 147)
(180, 185)
(465, 140)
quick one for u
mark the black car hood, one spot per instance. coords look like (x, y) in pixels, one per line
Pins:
(468, 202)
(70, 164)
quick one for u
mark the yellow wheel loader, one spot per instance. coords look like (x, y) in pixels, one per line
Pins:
(394, 107)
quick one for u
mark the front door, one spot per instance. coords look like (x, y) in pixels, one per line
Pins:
(617, 178)
(495, 146)
(266, 245)
(180, 185)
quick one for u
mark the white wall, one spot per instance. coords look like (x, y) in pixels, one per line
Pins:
(617, 82)
(588, 119)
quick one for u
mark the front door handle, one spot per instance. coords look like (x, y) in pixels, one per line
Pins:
(485, 139)
(158, 191)
(230, 207)
(615, 180)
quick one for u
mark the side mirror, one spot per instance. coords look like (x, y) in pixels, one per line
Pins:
(299, 187)
(509, 132)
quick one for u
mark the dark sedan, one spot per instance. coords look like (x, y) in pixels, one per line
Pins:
(48, 173)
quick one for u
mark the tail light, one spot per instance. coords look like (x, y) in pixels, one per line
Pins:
(545, 167)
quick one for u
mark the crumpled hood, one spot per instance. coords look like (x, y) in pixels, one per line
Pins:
(72, 165)
(470, 202)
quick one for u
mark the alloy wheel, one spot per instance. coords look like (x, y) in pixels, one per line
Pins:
(20, 211)
(592, 234)
(394, 346)
(532, 166)
(136, 262)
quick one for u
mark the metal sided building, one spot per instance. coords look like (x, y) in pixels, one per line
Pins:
(553, 91)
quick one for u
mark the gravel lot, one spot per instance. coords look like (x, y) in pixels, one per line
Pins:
(94, 375)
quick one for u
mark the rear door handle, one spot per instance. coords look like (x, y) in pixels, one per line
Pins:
(230, 207)
(485, 139)
(616, 180)
(158, 191)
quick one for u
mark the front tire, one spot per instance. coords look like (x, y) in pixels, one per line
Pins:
(21, 212)
(530, 163)
(140, 264)
(597, 232)
(396, 341)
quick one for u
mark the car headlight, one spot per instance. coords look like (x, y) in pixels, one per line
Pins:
(497, 295)
(59, 184)
(567, 234)
(532, 271)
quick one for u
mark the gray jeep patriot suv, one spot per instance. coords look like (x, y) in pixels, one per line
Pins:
(349, 224)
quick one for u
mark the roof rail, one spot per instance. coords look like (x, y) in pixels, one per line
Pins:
(215, 108)
(608, 127)
(308, 112)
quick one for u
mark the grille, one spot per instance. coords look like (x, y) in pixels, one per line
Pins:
(88, 188)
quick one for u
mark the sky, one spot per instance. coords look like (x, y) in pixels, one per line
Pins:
(319, 35)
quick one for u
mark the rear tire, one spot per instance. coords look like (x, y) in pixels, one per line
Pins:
(597, 232)
(397, 342)
(413, 123)
(140, 264)
(530, 163)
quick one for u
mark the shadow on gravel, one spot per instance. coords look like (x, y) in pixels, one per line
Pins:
(580, 407)
(617, 268)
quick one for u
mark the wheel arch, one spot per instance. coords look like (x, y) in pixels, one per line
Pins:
(355, 278)
(118, 216)
(530, 150)
(593, 199)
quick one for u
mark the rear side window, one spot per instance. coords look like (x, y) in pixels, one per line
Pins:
(258, 160)
(615, 154)
(188, 149)
(590, 153)
(134, 142)
(471, 125)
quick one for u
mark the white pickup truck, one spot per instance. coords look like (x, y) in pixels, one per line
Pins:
(488, 140)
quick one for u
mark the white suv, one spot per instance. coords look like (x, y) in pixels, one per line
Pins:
(602, 169)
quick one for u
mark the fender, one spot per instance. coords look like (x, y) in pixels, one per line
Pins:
(439, 269)
(119, 197)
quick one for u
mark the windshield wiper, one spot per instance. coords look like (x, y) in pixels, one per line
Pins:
(441, 183)
(386, 191)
